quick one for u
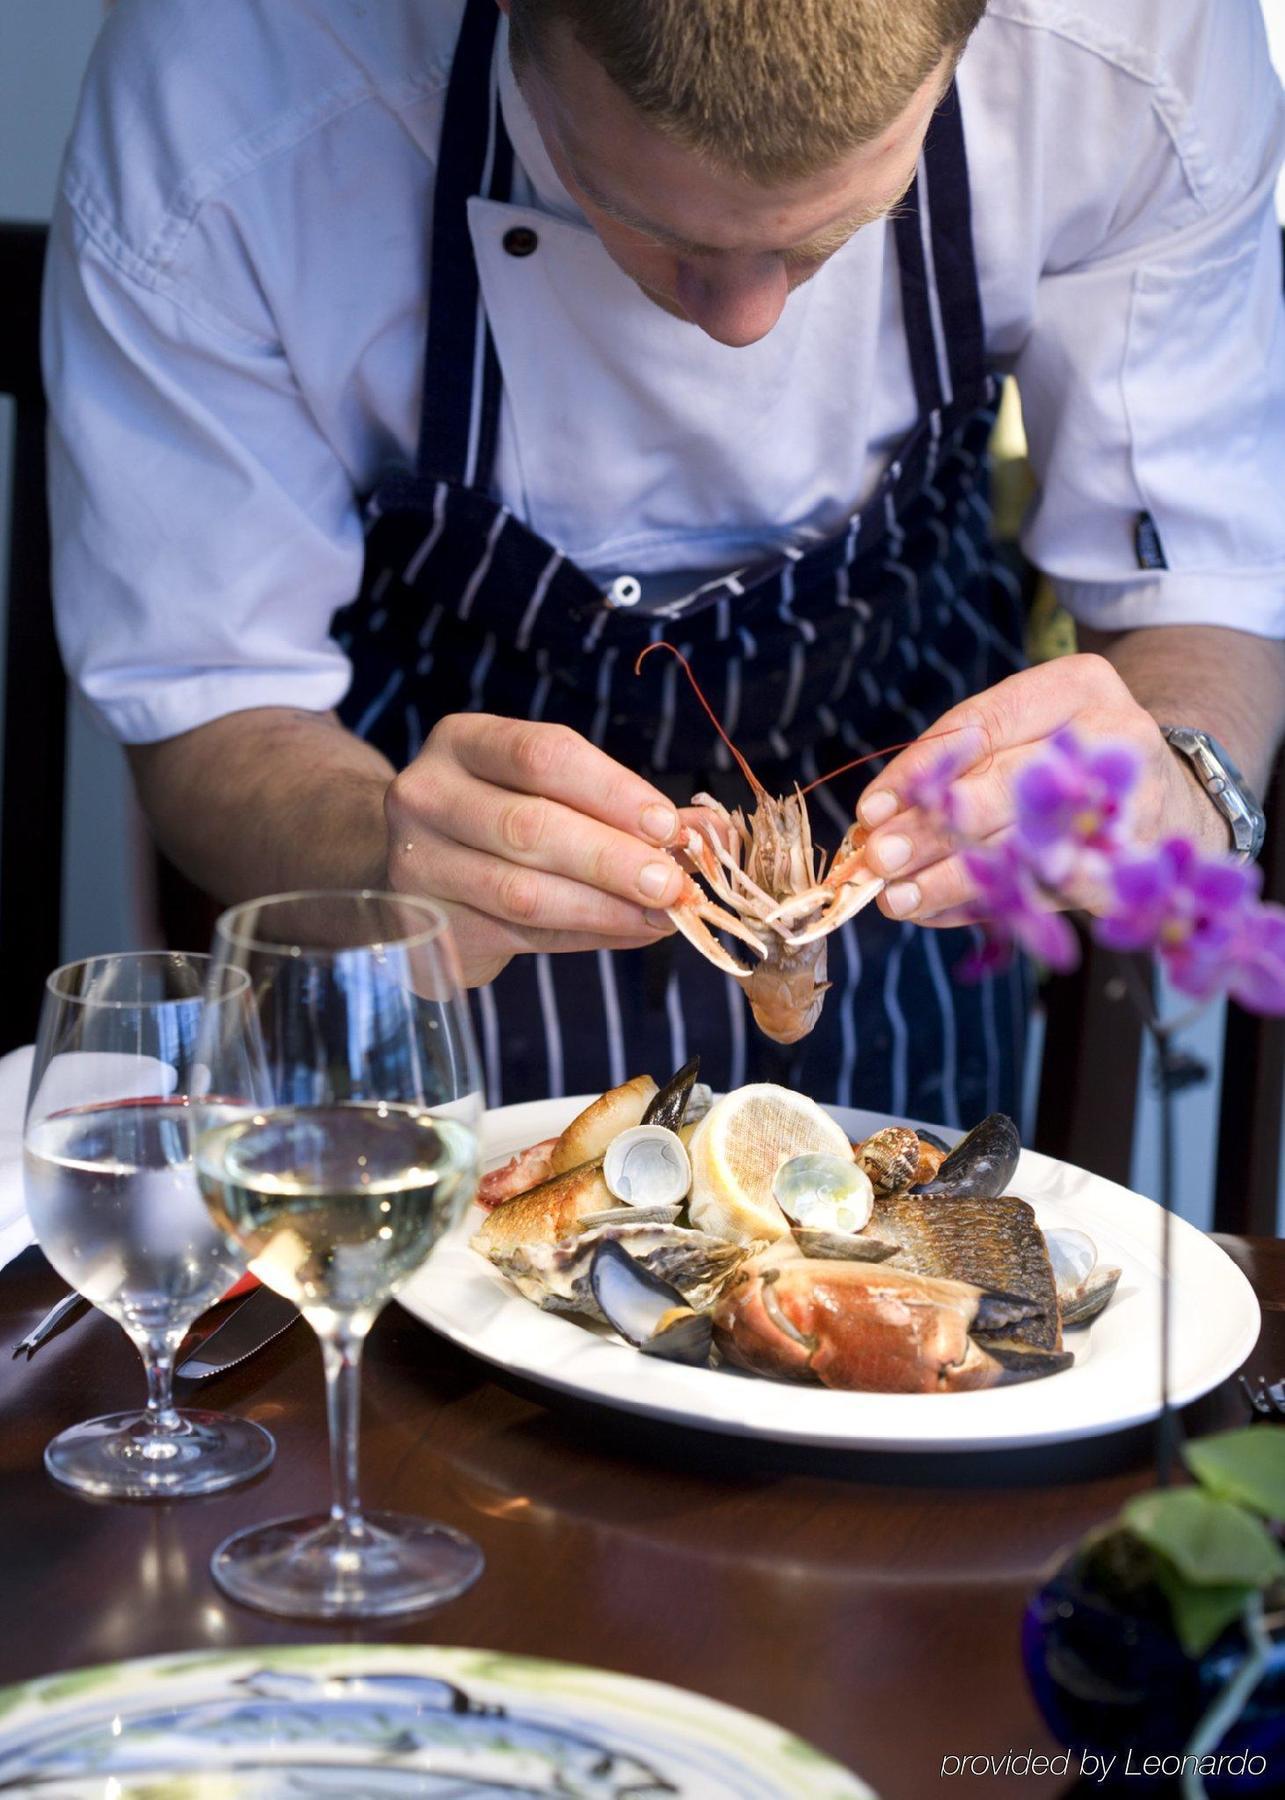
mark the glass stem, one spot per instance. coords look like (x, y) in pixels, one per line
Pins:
(158, 1360)
(341, 1353)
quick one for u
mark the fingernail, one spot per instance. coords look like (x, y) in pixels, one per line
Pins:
(656, 879)
(877, 807)
(892, 853)
(660, 823)
(902, 897)
(659, 921)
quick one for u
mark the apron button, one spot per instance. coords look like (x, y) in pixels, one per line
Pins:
(625, 590)
(520, 240)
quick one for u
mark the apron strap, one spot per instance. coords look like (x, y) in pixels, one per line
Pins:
(940, 293)
(460, 409)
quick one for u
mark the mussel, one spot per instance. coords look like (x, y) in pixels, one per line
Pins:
(668, 1106)
(648, 1312)
(981, 1165)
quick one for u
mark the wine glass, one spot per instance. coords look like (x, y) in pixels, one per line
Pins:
(339, 1144)
(112, 1195)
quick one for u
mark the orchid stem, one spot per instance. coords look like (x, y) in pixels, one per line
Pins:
(1231, 1700)
(1166, 1426)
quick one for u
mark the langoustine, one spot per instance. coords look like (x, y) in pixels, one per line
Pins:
(768, 886)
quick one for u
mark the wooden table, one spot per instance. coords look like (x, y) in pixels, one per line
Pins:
(870, 1603)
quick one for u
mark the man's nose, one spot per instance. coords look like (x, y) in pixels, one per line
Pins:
(735, 300)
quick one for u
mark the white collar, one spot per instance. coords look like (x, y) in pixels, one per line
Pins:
(528, 145)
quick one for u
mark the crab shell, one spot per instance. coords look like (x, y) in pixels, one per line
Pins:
(865, 1326)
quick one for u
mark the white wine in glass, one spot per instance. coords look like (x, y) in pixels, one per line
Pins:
(112, 1194)
(338, 1143)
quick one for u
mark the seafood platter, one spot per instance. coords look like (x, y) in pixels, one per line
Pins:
(756, 1263)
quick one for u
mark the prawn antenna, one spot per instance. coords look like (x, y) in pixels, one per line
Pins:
(664, 644)
(890, 750)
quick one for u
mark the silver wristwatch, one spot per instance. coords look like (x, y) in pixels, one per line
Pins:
(1225, 785)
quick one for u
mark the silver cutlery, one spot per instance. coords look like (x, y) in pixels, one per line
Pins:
(69, 1304)
(1267, 1399)
(261, 1316)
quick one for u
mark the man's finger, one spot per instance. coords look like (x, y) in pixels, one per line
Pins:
(529, 898)
(558, 764)
(535, 833)
(983, 805)
(1021, 710)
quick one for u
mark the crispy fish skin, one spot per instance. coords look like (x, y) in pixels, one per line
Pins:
(547, 1213)
(865, 1326)
(995, 1244)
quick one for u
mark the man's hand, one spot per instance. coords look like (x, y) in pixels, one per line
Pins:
(999, 731)
(533, 839)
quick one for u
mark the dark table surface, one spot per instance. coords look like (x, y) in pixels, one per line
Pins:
(870, 1603)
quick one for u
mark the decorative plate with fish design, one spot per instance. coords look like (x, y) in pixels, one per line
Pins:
(1114, 1381)
(370, 1720)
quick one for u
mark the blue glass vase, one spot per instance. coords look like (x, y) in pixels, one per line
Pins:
(1110, 1677)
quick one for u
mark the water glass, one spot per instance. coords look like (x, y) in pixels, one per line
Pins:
(112, 1195)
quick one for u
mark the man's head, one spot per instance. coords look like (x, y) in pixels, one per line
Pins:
(723, 149)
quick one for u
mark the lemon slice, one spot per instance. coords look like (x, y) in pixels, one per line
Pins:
(737, 1149)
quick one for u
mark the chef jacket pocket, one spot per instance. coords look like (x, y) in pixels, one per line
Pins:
(1184, 392)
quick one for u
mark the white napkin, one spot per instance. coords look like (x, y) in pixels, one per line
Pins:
(15, 1079)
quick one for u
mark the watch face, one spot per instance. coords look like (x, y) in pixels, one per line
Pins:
(1224, 784)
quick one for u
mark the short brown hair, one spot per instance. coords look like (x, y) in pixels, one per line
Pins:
(775, 89)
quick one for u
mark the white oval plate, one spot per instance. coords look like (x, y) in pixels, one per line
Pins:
(411, 1720)
(1114, 1383)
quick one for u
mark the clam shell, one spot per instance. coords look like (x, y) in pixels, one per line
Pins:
(1073, 1255)
(648, 1166)
(823, 1193)
(891, 1158)
(1084, 1285)
(842, 1246)
(629, 1215)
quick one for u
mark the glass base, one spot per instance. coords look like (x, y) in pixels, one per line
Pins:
(316, 1568)
(124, 1457)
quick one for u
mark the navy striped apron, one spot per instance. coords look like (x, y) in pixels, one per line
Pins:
(810, 657)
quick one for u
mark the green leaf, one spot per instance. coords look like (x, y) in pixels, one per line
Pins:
(1246, 1466)
(1200, 1615)
(1210, 1542)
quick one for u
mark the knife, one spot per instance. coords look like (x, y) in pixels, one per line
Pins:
(259, 1318)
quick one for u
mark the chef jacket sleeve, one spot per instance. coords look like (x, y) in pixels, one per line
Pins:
(1153, 379)
(204, 529)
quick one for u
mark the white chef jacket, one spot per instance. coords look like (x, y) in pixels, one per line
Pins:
(237, 298)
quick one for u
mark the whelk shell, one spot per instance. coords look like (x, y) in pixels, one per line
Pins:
(891, 1158)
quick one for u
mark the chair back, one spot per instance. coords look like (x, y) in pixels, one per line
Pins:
(35, 689)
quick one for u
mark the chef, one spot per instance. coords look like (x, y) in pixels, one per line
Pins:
(413, 367)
